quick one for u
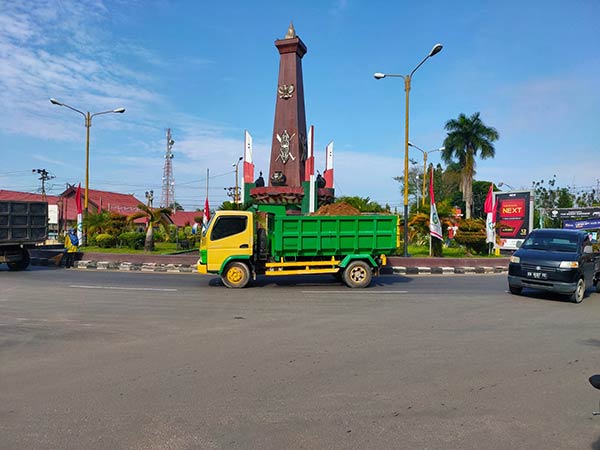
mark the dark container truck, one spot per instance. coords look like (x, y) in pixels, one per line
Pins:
(23, 225)
(239, 245)
(555, 260)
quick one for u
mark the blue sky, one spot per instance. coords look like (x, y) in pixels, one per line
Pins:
(208, 71)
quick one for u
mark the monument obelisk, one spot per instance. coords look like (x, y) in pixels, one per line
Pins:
(288, 148)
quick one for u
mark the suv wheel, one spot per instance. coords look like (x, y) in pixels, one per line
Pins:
(515, 290)
(577, 296)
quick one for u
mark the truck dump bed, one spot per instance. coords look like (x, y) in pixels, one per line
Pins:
(23, 222)
(308, 236)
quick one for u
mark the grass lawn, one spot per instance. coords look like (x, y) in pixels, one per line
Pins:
(160, 248)
(448, 252)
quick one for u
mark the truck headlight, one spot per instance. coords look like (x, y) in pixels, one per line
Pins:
(515, 259)
(569, 264)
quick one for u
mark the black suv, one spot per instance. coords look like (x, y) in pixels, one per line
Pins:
(555, 260)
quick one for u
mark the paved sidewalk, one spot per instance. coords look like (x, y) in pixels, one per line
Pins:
(186, 263)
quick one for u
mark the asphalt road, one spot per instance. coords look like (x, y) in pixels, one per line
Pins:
(115, 360)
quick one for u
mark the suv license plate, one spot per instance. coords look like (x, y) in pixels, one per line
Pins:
(537, 275)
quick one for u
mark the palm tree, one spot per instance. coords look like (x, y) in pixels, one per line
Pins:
(155, 217)
(466, 137)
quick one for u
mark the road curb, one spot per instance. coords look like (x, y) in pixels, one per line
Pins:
(400, 270)
(186, 264)
(188, 268)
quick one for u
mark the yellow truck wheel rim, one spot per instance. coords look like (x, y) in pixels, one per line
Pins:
(358, 274)
(235, 275)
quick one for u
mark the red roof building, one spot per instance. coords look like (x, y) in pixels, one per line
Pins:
(185, 218)
(26, 197)
(125, 204)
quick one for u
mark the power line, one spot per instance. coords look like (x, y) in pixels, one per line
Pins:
(44, 176)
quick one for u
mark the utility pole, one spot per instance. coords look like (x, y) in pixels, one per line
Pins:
(44, 176)
(168, 183)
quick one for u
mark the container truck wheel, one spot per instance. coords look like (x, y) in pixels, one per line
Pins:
(20, 265)
(236, 275)
(358, 274)
(577, 296)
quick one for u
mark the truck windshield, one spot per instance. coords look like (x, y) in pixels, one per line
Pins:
(228, 226)
(551, 242)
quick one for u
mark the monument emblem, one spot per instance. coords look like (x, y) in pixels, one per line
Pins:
(284, 149)
(286, 91)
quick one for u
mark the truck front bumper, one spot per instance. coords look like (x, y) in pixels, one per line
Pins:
(201, 268)
(560, 287)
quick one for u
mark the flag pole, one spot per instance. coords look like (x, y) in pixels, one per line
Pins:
(430, 252)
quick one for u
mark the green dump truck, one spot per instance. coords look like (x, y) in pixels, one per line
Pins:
(239, 245)
(22, 226)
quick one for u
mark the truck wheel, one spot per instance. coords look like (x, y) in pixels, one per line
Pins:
(577, 296)
(236, 275)
(20, 265)
(358, 274)
(598, 286)
(515, 290)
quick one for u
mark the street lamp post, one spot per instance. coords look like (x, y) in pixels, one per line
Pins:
(149, 198)
(407, 79)
(417, 190)
(88, 123)
(425, 165)
(236, 195)
(502, 183)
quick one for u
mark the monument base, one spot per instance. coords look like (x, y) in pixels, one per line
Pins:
(289, 199)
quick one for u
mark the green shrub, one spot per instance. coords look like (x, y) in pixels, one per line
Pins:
(104, 240)
(132, 239)
(159, 234)
(471, 234)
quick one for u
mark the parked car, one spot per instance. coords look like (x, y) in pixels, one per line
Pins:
(555, 260)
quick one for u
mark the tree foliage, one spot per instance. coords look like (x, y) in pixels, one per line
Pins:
(467, 138)
(105, 222)
(154, 218)
(547, 197)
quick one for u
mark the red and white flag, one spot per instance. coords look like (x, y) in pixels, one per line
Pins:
(328, 174)
(79, 215)
(206, 215)
(489, 207)
(248, 165)
(309, 170)
(435, 227)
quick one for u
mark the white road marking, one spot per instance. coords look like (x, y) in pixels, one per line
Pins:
(119, 288)
(355, 292)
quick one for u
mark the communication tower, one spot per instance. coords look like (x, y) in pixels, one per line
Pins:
(168, 182)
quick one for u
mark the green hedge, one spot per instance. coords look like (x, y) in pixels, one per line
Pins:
(471, 234)
(104, 240)
(132, 239)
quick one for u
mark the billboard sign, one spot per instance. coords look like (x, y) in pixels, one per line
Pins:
(575, 213)
(514, 218)
(590, 224)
